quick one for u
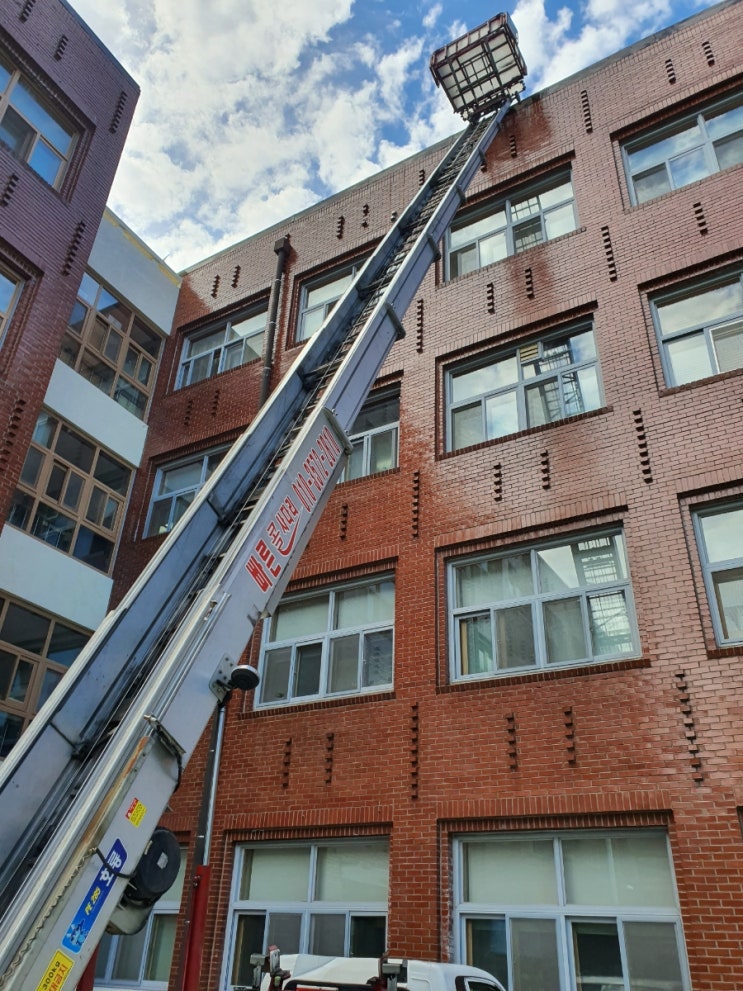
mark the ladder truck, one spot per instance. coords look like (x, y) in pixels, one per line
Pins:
(83, 790)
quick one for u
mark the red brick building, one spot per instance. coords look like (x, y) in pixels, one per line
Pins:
(497, 718)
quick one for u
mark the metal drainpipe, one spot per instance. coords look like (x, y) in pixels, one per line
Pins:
(282, 248)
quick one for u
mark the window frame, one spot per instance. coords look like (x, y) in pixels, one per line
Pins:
(653, 136)
(6, 315)
(44, 671)
(221, 352)
(707, 329)
(307, 310)
(711, 569)
(35, 136)
(204, 457)
(80, 346)
(325, 638)
(524, 353)
(563, 914)
(512, 222)
(364, 439)
(168, 907)
(50, 466)
(535, 601)
(309, 908)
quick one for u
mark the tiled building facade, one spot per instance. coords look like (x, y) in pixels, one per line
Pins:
(498, 713)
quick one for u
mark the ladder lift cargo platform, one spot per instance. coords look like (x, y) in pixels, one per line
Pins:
(83, 790)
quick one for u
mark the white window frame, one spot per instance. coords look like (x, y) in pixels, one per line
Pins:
(313, 313)
(510, 225)
(166, 907)
(359, 464)
(231, 349)
(179, 494)
(709, 329)
(562, 914)
(306, 908)
(712, 569)
(12, 285)
(299, 648)
(49, 135)
(528, 374)
(653, 151)
(487, 616)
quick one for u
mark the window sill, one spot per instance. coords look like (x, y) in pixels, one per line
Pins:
(601, 411)
(509, 258)
(292, 708)
(729, 650)
(376, 474)
(673, 390)
(212, 378)
(545, 674)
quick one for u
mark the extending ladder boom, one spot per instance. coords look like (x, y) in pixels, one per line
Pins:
(83, 790)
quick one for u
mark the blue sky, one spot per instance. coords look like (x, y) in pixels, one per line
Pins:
(252, 110)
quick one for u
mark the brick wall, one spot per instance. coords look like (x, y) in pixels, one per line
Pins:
(655, 740)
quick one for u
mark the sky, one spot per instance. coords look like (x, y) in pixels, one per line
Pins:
(253, 110)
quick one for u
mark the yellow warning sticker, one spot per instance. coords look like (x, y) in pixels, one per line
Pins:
(56, 973)
(136, 812)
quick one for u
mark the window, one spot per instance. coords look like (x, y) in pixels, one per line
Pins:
(319, 296)
(585, 911)
(688, 149)
(176, 486)
(374, 437)
(10, 289)
(218, 350)
(332, 643)
(144, 959)
(720, 539)
(556, 604)
(528, 386)
(35, 651)
(71, 493)
(34, 131)
(701, 329)
(483, 236)
(325, 898)
(108, 344)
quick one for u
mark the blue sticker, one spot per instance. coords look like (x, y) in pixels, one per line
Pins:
(98, 892)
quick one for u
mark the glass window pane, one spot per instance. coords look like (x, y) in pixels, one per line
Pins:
(42, 120)
(559, 221)
(652, 956)
(587, 869)
(383, 451)
(300, 618)
(249, 939)
(160, 948)
(467, 426)
(580, 391)
(729, 596)
(129, 953)
(11, 728)
(642, 870)
(598, 960)
(728, 345)
(689, 359)
(701, 308)
(463, 261)
(651, 184)
(477, 228)
(75, 449)
(557, 194)
(328, 291)
(344, 664)
(501, 415)
(496, 580)
(558, 568)
(44, 429)
(364, 605)
(486, 947)
(328, 935)
(476, 645)
(487, 378)
(284, 930)
(93, 549)
(352, 872)
(528, 234)
(377, 661)
(611, 631)
(514, 631)
(534, 953)
(65, 644)
(275, 875)
(689, 167)
(31, 467)
(563, 630)
(729, 152)
(307, 669)
(513, 872)
(543, 403)
(52, 527)
(723, 535)
(493, 248)
(368, 936)
(275, 675)
(112, 473)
